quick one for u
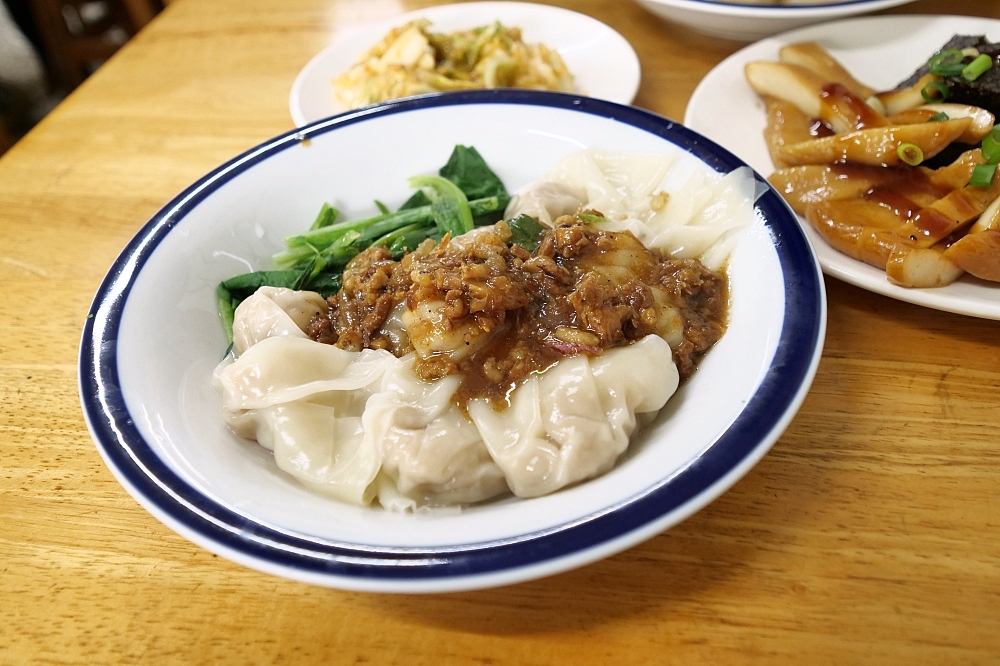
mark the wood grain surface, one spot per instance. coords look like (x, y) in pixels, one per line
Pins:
(870, 533)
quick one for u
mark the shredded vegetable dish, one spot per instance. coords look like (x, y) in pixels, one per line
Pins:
(412, 60)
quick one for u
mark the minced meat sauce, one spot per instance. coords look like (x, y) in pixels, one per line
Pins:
(496, 312)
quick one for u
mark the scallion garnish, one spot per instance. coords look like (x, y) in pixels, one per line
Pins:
(938, 117)
(977, 67)
(910, 153)
(982, 175)
(991, 146)
(934, 92)
(946, 63)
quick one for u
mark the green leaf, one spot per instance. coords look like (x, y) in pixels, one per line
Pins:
(450, 206)
(326, 284)
(526, 231)
(326, 216)
(469, 171)
(418, 200)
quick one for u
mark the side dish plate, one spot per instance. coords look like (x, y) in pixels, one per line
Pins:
(749, 21)
(880, 51)
(602, 62)
(153, 338)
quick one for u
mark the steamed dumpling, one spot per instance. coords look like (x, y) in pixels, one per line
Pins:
(430, 450)
(574, 421)
(304, 401)
(618, 185)
(698, 219)
(545, 201)
(271, 312)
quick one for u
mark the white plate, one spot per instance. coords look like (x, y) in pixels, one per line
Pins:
(747, 23)
(602, 62)
(149, 348)
(880, 51)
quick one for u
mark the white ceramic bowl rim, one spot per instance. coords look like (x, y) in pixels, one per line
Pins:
(173, 500)
(829, 10)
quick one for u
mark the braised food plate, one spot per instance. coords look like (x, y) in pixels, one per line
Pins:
(880, 51)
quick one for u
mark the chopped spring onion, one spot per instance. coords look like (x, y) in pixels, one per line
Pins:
(910, 153)
(970, 52)
(991, 146)
(935, 91)
(946, 63)
(977, 67)
(982, 175)
(937, 117)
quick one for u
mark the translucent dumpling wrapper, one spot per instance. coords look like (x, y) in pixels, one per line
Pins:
(618, 185)
(574, 421)
(273, 311)
(431, 451)
(701, 218)
(545, 201)
(304, 401)
(282, 369)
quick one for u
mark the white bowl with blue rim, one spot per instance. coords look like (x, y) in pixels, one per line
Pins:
(750, 22)
(149, 348)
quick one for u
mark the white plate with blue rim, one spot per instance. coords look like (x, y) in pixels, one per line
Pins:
(602, 62)
(880, 51)
(750, 20)
(154, 337)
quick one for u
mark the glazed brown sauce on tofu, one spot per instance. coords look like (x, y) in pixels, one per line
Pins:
(496, 312)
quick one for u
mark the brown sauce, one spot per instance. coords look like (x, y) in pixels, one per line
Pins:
(849, 106)
(893, 199)
(820, 129)
(582, 291)
(933, 223)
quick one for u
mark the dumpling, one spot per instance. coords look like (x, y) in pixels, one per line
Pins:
(545, 201)
(430, 450)
(699, 219)
(304, 401)
(271, 312)
(574, 421)
(617, 185)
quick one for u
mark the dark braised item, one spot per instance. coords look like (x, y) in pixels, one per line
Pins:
(984, 92)
(495, 313)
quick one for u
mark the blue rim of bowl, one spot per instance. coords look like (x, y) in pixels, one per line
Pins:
(178, 504)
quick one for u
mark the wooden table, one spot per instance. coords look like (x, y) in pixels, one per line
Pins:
(869, 534)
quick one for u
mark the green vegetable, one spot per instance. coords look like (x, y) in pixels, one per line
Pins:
(937, 117)
(947, 62)
(467, 169)
(982, 175)
(910, 153)
(934, 92)
(466, 193)
(991, 146)
(327, 215)
(525, 231)
(977, 67)
(591, 219)
(449, 207)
